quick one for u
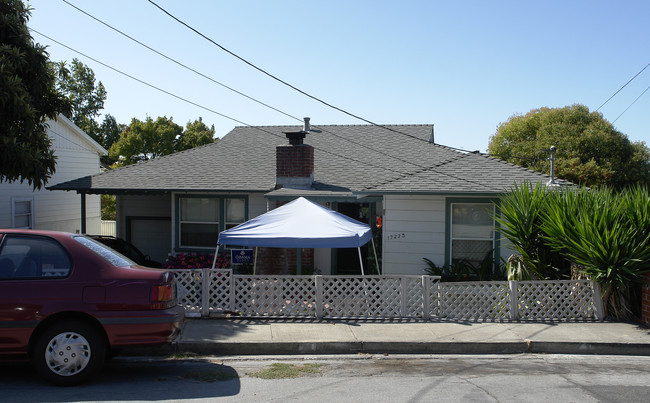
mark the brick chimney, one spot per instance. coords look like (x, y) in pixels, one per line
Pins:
(294, 163)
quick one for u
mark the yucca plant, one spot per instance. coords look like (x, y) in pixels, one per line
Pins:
(636, 201)
(600, 230)
(519, 214)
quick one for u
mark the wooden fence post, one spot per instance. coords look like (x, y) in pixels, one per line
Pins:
(403, 296)
(205, 293)
(426, 297)
(232, 292)
(318, 280)
(514, 299)
(599, 310)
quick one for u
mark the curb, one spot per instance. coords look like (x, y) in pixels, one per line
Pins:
(546, 347)
(358, 347)
(331, 348)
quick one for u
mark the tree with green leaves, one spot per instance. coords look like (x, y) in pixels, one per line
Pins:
(196, 134)
(589, 150)
(77, 82)
(142, 141)
(110, 131)
(28, 97)
(107, 134)
(109, 209)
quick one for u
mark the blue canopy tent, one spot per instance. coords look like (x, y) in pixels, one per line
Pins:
(300, 224)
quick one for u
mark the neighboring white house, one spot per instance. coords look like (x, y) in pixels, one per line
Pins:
(77, 155)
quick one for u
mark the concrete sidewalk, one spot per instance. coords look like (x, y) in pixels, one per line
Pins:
(269, 337)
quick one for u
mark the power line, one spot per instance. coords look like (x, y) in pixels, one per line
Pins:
(619, 90)
(176, 61)
(286, 83)
(141, 81)
(228, 87)
(258, 68)
(248, 96)
(211, 110)
(633, 102)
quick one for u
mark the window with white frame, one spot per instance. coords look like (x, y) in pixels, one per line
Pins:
(22, 212)
(235, 212)
(202, 218)
(472, 232)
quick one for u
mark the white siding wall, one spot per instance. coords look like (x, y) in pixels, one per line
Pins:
(413, 228)
(59, 210)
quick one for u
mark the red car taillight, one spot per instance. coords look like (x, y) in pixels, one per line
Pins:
(163, 296)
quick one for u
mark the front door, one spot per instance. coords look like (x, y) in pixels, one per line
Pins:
(346, 261)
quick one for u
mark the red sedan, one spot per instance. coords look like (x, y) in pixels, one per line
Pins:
(66, 301)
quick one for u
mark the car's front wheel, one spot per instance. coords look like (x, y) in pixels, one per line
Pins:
(69, 352)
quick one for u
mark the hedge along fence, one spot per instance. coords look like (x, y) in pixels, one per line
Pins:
(605, 234)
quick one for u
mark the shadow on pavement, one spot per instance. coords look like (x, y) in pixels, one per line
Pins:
(125, 379)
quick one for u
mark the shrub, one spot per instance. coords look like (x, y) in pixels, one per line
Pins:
(461, 270)
(520, 214)
(606, 234)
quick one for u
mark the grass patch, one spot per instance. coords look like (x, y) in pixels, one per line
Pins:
(182, 356)
(212, 375)
(282, 371)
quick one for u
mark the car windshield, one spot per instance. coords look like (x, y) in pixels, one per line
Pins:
(113, 257)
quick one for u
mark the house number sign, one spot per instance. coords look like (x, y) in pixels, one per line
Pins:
(400, 235)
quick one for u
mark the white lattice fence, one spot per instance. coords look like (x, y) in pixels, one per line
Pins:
(218, 291)
(356, 296)
(189, 286)
(413, 297)
(203, 291)
(292, 296)
(206, 292)
(557, 299)
(474, 300)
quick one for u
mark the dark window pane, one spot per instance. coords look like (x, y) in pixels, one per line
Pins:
(202, 235)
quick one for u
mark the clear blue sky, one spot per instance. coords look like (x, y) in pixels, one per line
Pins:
(464, 66)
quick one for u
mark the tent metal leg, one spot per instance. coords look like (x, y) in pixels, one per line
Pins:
(361, 261)
(255, 262)
(375, 252)
(216, 253)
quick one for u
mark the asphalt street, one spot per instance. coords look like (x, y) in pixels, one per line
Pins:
(348, 378)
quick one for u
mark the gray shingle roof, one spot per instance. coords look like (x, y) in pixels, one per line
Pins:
(346, 158)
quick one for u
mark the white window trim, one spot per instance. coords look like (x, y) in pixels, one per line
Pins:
(452, 238)
(15, 200)
(181, 222)
(221, 223)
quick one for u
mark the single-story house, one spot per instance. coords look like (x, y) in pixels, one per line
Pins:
(425, 200)
(77, 155)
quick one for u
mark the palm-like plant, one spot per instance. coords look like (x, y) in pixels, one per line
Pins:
(606, 233)
(519, 214)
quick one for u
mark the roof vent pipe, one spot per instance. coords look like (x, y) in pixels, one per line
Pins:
(307, 127)
(552, 181)
(431, 138)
